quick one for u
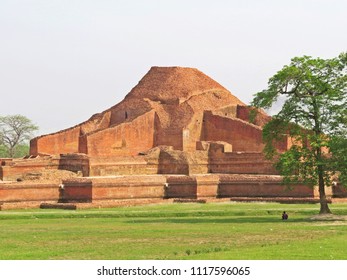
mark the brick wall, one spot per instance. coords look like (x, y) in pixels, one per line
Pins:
(19, 168)
(243, 113)
(153, 187)
(240, 163)
(121, 187)
(20, 192)
(129, 165)
(240, 134)
(66, 141)
(181, 187)
(260, 187)
(339, 191)
(125, 139)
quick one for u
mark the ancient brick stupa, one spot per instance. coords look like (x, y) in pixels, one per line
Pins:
(170, 106)
(177, 134)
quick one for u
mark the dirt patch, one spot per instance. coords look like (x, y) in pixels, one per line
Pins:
(182, 200)
(65, 206)
(328, 217)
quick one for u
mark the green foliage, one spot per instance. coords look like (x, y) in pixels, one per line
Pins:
(19, 151)
(314, 116)
(15, 132)
(3, 151)
(308, 84)
(252, 114)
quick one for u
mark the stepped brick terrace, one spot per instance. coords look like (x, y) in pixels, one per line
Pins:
(177, 134)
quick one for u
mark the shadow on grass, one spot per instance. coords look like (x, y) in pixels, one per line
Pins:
(233, 220)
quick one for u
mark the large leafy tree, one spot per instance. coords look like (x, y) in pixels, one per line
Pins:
(314, 117)
(15, 131)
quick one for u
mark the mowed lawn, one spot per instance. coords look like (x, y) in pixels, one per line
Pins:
(175, 231)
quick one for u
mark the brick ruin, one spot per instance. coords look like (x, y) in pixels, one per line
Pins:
(176, 134)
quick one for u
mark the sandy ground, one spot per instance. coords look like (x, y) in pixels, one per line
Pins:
(328, 217)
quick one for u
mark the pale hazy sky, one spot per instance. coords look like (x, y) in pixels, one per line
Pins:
(61, 61)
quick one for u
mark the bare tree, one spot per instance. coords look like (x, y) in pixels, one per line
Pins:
(15, 130)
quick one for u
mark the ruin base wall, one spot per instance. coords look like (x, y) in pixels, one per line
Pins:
(29, 192)
(157, 187)
(18, 169)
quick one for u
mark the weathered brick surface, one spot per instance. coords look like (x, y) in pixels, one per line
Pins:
(107, 188)
(154, 187)
(20, 168)
(59, 143)
(240, 134)
(207, 185)
(180, 186)
(125, 139)
(240, 163)
(243, 113)
(127, 165)
(22, 192)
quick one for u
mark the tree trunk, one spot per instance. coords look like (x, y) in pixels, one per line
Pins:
(324, 207)
(11, 152)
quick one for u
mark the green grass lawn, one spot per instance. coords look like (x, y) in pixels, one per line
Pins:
(174, 231)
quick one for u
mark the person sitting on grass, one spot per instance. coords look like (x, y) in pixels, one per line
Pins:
(284, 216)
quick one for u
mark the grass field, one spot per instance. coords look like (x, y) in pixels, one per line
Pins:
(175, 231)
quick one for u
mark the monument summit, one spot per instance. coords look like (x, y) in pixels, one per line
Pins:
(170, 106)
